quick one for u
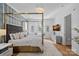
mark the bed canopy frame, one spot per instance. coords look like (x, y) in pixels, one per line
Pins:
(42, 21)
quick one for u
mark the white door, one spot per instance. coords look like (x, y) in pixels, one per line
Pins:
(68, 29)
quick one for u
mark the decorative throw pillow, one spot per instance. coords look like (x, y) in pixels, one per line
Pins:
(25, 34)
(12, 36)
(20, 35)
(17, 35)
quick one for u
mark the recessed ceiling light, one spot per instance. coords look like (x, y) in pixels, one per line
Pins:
(39, 10)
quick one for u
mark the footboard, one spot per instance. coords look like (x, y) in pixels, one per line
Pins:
(26, 49)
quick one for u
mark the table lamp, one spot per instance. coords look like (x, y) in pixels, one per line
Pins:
(2, 32)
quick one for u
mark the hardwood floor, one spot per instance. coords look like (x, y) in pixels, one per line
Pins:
(65, 50)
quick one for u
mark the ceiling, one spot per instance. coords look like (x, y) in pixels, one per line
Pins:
(30, 8)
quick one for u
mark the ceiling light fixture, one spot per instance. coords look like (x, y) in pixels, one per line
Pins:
(39, 10)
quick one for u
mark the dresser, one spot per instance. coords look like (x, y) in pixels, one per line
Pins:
(6, 49)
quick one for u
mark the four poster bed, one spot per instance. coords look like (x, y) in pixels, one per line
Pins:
(23, 42)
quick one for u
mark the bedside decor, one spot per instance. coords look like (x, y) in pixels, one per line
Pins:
(77, 39)
(75, 42)
(76, 29)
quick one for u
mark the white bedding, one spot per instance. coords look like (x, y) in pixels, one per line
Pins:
(28, 41)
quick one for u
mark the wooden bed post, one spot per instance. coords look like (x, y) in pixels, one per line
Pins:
(42, 32)
(28, 24)
(42, 29)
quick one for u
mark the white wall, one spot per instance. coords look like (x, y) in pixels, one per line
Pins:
(75, 23)
(75, 20)
(49, 34)
(64, 11)
(58, 18)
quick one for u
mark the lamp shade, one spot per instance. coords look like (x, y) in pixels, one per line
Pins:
(2, 32)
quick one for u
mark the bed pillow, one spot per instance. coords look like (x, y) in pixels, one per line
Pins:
(17, 35)
(20, 35)
(24, 34)
(12, 36)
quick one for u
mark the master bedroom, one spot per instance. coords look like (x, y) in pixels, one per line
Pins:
(37, 29)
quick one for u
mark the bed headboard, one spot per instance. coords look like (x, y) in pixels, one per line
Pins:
(12, 29)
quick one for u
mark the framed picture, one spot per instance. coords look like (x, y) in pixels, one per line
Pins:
(56, 27)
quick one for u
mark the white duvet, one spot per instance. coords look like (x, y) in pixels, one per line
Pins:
(28, 41)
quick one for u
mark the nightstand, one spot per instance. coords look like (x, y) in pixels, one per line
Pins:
(6, 49)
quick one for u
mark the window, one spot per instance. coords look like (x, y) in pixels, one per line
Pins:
(25, 26)
(32, 28)
(47, 28)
